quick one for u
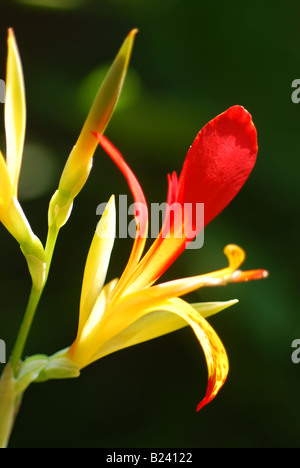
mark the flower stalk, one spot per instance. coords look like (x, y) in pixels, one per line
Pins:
(24, 330)
(9, 405)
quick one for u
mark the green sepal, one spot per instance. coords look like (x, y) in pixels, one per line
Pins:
(29, 372)
(40, 368)
(58, 367)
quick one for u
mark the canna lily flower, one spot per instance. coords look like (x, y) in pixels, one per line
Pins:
(11, 213)
(134, 309)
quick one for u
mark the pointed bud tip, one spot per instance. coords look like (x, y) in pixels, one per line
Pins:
(11, 35)
(127, 46)
(133, 32)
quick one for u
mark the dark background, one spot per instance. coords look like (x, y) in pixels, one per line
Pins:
(192, 60)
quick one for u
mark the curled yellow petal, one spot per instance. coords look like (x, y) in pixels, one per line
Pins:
(15, 112)
(156, 324)
(156, 321)
(215, 353)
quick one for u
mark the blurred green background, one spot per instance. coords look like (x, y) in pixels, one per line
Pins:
(192, 60)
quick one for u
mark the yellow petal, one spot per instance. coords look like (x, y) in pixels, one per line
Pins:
(157, 260)
(15, 112)
(98, 261)
(5, 184)
(215, 354)
(156, 324)
(150, 326)
(140, 211)
(90, 333)
(230, 274)
(123, 313)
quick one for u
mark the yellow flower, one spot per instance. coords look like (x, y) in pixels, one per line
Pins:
(134, 309)
(11, 213)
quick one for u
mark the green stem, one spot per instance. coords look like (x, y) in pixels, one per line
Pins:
(33, 302)
(9, 401)
(9, 405)
(50, 246)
